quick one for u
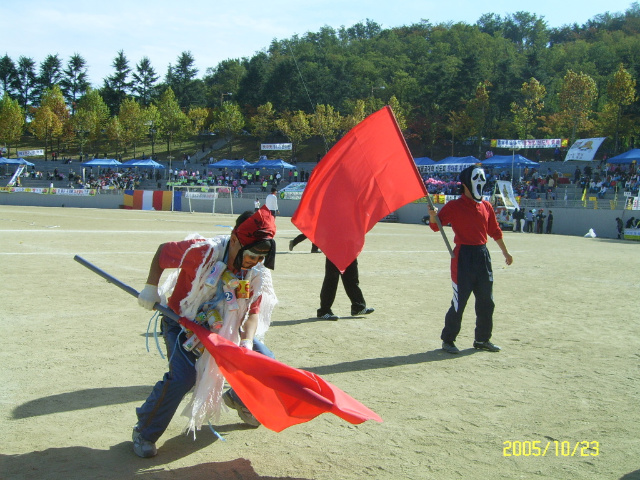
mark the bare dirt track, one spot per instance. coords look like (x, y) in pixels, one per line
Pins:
(75, 365)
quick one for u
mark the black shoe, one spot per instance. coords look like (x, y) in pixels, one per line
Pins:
(364, 311)
(450, 347)
(328, 316)
(291, 245)
(488, 346)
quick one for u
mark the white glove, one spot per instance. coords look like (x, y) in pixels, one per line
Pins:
(148, 297)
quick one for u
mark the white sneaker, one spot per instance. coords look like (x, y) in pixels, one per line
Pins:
(141, 447)
(231, 400)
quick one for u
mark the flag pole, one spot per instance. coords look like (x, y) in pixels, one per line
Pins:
(130, 290)
(444, 235)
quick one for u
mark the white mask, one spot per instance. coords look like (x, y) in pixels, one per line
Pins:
(478, 181)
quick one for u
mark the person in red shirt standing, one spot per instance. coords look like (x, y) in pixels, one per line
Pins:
(472, 220)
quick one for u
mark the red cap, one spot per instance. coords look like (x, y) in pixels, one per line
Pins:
(259, 226)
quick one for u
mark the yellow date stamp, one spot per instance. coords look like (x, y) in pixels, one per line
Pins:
(550, 448)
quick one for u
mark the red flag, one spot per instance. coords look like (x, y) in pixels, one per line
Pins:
(368, 174)
(278, 395)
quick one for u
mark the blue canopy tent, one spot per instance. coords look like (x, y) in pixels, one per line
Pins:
(423, 161)
(500, 161)
(631, 156)
(273, 164)
(101, 162)
(142, 164)
(230, 164)
(15, 161)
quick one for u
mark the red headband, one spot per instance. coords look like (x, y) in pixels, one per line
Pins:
(259, 226)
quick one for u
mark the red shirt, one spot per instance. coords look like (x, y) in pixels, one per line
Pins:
(172, 255)
(471, 221)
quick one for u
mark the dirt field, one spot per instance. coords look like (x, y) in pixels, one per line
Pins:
(75, 365)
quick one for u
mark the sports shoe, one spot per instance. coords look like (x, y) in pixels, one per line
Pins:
(364, 311)
(328, 316)
(141, 447)
(488, 346)
(231, 400)
(291, 245)
(450, 347)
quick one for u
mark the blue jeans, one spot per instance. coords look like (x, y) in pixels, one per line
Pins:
(157, 411)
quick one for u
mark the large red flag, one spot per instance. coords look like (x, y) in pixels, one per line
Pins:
(368, 174)
(278, 395)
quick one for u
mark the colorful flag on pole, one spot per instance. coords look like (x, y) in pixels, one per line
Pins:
(368, 174)
(278, 395)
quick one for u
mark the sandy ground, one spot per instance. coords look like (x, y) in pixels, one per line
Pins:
(75, 364)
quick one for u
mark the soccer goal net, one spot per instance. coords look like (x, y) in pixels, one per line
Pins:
(203, 198)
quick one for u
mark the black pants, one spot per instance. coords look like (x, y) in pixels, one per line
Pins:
(472, 273)
(351, 284)
(301, 238)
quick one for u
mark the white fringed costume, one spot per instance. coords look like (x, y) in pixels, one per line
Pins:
(205, 402)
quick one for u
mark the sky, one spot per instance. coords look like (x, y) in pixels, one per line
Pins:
(214, 31)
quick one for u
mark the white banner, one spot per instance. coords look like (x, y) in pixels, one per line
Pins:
(31, 153)
(517, 144)
(451, 167)
(584, 149)
(276, 146)
(504, 190)
(80, 192)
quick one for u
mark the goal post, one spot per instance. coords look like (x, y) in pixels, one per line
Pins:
(203, 193)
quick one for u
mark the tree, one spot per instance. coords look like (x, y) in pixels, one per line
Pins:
(228, 122)
(74, 84)
(7, 75)
(11, 121)
(621, 90)
(25, 81)
(115, 133)
(95, 116)
(45, 125)
(576, 96)
(477, 110)
(264, 122)
(295, 126)
(172, 120)
(224, 78)
(524, 115)
(54, 100)
(326, 122)
(132, 124)
(50, 74)
(152, 121)
(182, 79)
(144, 80)
(116, 87)
(197, 116)
(355, 117)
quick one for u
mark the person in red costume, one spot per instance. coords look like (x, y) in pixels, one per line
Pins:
(472, 220)
(225, 284)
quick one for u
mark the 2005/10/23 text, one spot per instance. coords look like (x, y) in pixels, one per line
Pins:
(537, 448)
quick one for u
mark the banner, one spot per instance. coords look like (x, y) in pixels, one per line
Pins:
(584, 149)
(504, 191)
(31, 153)
(159, 200)
(447, 168)
(518, 144)
(276, 146)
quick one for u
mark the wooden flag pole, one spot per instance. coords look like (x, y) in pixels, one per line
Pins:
(444, 235)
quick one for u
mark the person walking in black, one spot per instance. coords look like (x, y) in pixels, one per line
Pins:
(549, 222)
(351, 283)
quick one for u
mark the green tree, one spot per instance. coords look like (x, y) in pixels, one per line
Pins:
(7, 75)
(197, 117)
(132, 123)
(144, 81)
(577, 96)
(74, 84)
(477, 110)
(11, 121)
(115, 133)
(50, 74)
(295, 126)
(263, 122)
(45, 126)
(172, 120)
(152, 122)
(326, 122)
(117, 86)
(181, 78)
(96, 114)
(621, 91)
(25, 81)
(54, 100)
(524, 114)
(228, 122)
(355, 117)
